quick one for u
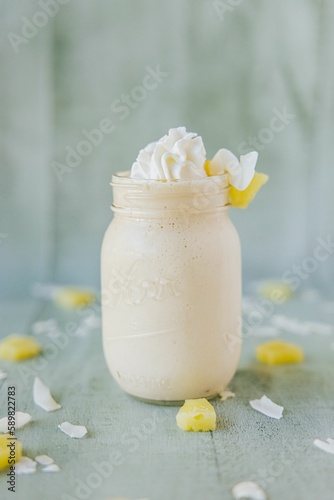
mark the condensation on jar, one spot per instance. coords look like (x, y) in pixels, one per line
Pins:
(171, 288)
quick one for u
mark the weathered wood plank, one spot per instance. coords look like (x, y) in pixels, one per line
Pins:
(147, 455)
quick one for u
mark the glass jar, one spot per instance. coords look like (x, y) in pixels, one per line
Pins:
(171, 288)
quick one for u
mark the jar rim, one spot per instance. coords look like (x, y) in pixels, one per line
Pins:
(152, 195)
(123, 178)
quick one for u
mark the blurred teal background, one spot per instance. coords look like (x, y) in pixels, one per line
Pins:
(236, 72)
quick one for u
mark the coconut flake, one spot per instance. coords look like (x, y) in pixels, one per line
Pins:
(267, 407)
(21, 419)
(92, 322)
(51, 468)
(42, 396)
(248, 489)
(298, 327)
(248, 306)
(3, 375)
(240, 173)
(74, 431)
(88, 324)
(44, 460)
(319, 328)
(224, 395)
(266, 331)
(328, 447)
(81, 331)
(25, 466)
(290, 325)
(46, 291)
(48, 325)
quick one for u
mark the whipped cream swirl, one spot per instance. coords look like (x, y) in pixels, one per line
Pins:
(181, 155)
(177, 155)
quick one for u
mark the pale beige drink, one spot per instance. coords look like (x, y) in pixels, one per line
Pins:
(171, 288)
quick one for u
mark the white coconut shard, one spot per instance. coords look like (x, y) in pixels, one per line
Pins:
(224, 395)
(46, 326)
(51, 468)
(3, 375)
(74, 431)
(42, 396)
(82, 331)
(21, 419)
(93, 321)
(267, 407)
(290, 325)
(266, 331)
(248, 305)
(328, 447)
(320, 328)
(249, 490)
(46, 291)
(297, 327)
(44, 460)
(25, 466)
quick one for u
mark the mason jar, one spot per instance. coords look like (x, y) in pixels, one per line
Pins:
(171, 288)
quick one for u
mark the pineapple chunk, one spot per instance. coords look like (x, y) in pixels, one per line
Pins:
(9, 452)
(241, 199)
(277, 352)
(209, 170)
(18, 347)
(275, 291)
(72, 298)
(196, 415)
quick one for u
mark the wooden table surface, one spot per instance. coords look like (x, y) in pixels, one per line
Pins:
(135, 450)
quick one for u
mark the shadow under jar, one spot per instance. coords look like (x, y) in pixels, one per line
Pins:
(171, 289)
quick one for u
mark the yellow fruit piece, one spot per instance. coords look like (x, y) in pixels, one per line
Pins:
(277, 352)
(275, 291)
(208, 168)
(196, 415)
(11, 452)
(241, 199)
(18, 347)
(72, 298)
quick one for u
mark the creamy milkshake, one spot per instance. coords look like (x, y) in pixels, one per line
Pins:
(171, 276)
